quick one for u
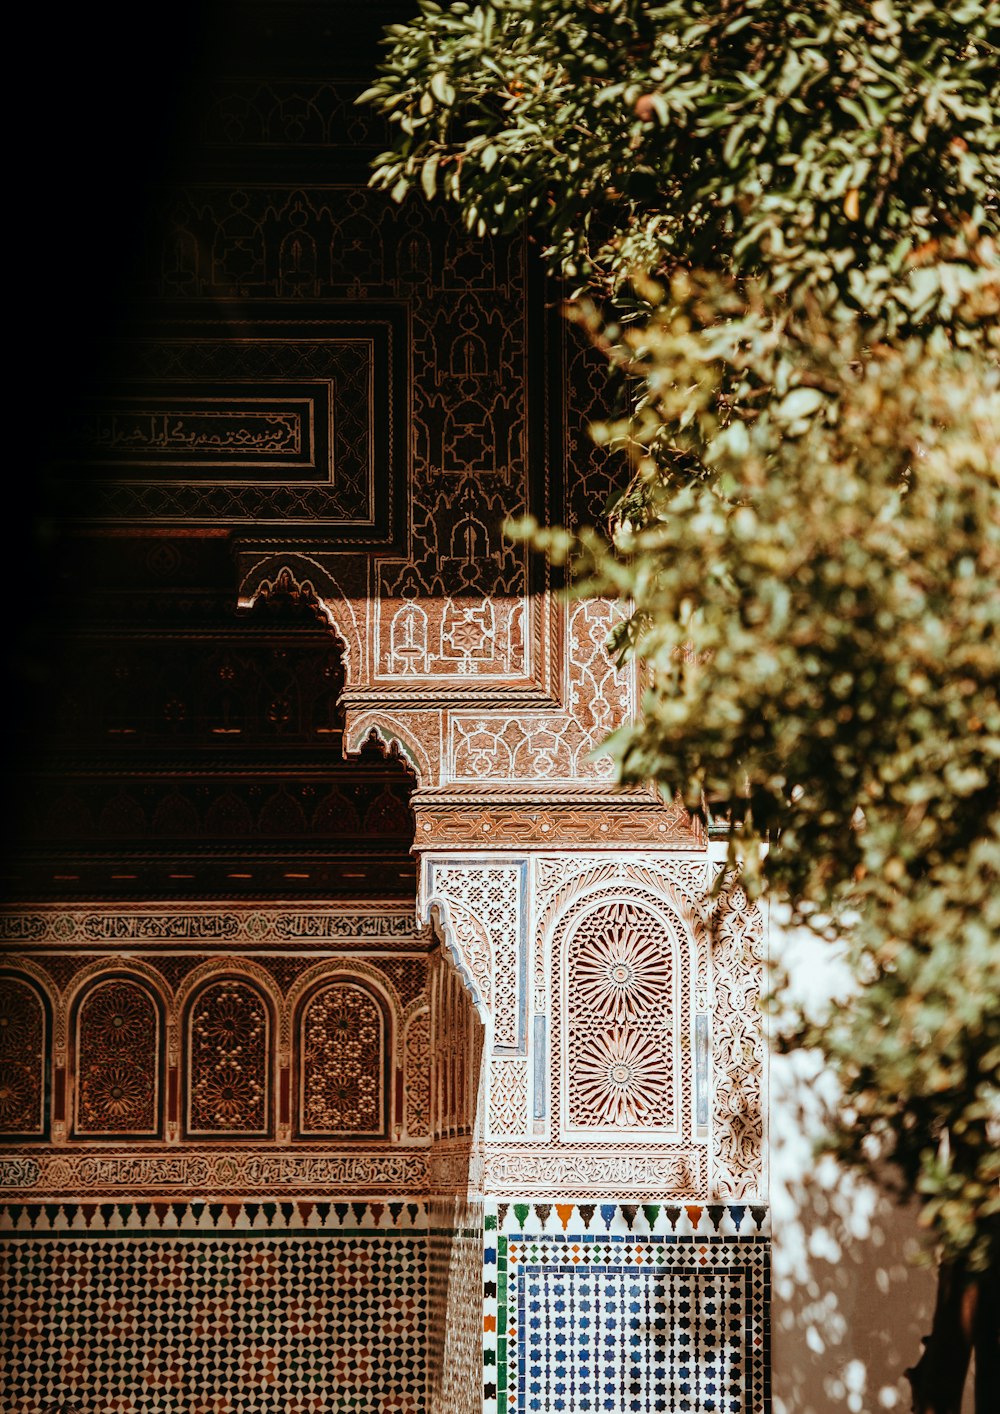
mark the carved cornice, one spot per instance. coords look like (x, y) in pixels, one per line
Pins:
(454, 819)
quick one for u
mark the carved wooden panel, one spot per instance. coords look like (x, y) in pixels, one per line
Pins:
(118, 1045)
(228, 1061)
(343, 1062)
(23, 1059)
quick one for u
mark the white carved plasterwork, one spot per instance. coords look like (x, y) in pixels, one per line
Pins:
(667, 1172)
(508, 1112)
(718, 1024)
(475, 947)
(485, 903)
(463, 637)
(621, 998)
(682, 882)
(738, 1049)
(552, 745)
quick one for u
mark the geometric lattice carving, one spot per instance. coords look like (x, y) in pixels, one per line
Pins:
(228, 1060)
(620, 1020)
(417, 1077)
(738, 1119)
(342, 1063)
(118, 1061)
(22, 1059)
(485, 902)
(508, 1097)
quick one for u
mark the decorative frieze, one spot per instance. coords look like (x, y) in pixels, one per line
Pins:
(205, 926)
(205, 1172)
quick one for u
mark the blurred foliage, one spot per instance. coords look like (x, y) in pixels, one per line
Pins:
(818, 616)
(780, 224)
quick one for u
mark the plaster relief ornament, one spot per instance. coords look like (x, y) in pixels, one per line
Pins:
(22, 1059)
(622, 974)
(619, 1015)
(228, 1060)
(621, 1080)
(343, 1058)
(117, 1060)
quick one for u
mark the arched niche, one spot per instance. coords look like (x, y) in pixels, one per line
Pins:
(228, 1060)
(25, 1032)
(344, 1048)
(117, 1045)
(620, 1020)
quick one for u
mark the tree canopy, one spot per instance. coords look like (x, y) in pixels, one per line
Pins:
(780, 223)
(823, 143)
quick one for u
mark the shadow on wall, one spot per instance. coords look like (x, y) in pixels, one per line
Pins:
(851, 1296)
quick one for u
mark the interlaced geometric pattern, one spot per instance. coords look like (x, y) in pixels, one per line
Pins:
(245, 1324)
(22, 1059)
(616, 1336)
(622, 1313)
(117, 1061)
(739, 1102)
(620, 1014)
(492, 896)
(417, 1087)
(342, 1063)
(228, 1060)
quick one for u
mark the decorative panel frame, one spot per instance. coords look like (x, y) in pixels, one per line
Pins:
(119, 1075)
(384, 1052)
(278, 422)
(627, 1067)
(19, 1048)
(233, 1063)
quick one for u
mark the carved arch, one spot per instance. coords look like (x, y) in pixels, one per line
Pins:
(345, 1038)
(440, 912)
(395, 738)
(630, 1074)
(25, 1032)
(655, 882)
(242, 967)
(330, 968)
(117, 1026)
(104, 965)
(228, 1025)
(305, 580)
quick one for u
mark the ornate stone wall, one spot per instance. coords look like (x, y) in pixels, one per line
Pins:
(326, 404)
(291, 1226)
(625, 1045)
